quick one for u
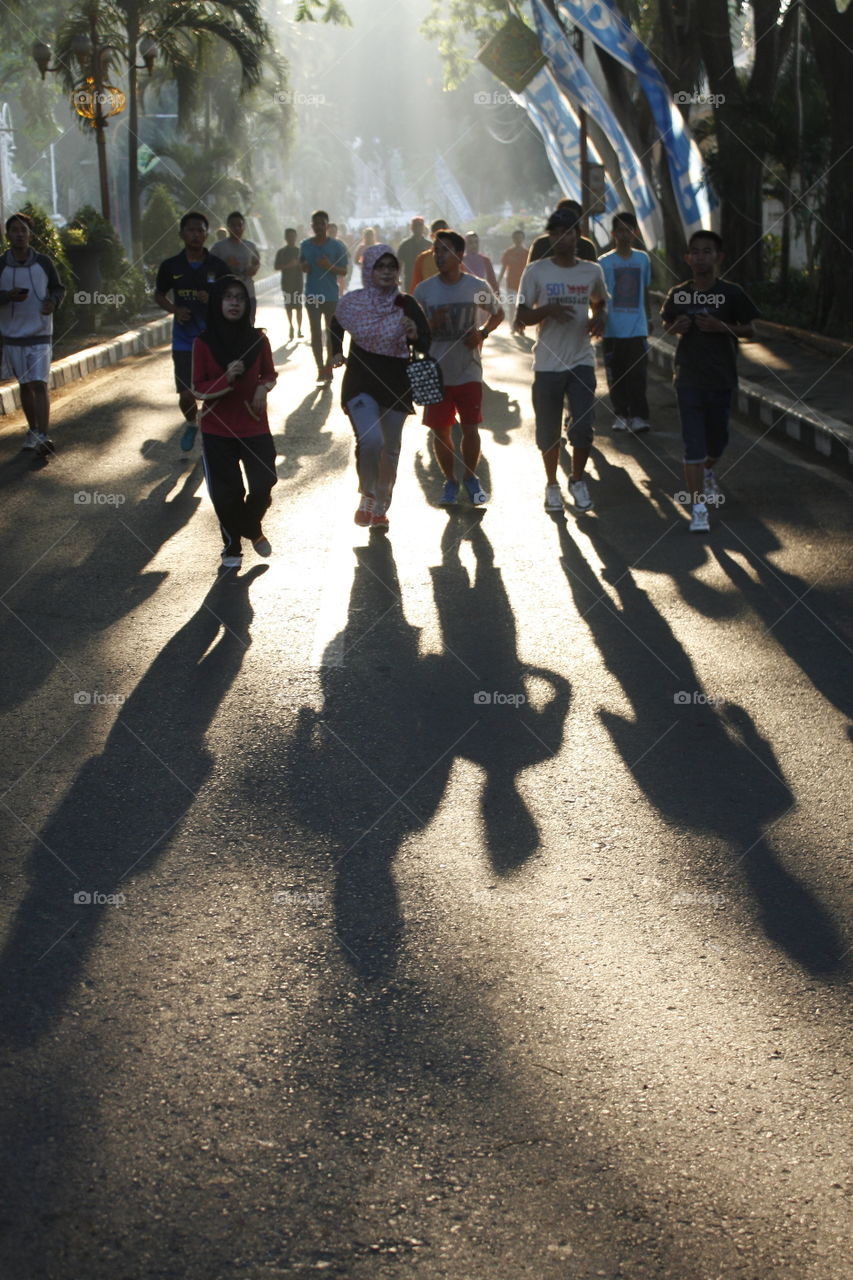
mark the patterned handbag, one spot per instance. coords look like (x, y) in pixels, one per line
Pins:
(425, 379)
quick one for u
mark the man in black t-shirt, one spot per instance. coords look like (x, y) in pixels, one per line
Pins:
(186, 277)
(287, 262)
(708, 316)
(409, 249)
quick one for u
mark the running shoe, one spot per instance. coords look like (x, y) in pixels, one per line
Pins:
(188, 438)
(449, 493)
(699, 522)
(638, 426)
(379, 520)
(364, 513)
(44, 444)
(231, 562)
(553, 498)
(712, 488)
(31, 440)
(262, 546)
(580, 495)
(476, 492)
(620, 424)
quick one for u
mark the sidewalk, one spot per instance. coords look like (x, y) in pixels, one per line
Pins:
(787, 387)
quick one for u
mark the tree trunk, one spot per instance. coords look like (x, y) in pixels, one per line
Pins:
(132, 30)
(832, 37)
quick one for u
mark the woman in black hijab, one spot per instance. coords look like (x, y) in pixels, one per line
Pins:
(232, 372)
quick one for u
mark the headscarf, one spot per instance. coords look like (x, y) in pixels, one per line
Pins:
(230, 339)
(372, 316)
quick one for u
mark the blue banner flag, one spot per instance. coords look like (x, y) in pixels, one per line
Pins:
(602, 21)
(574, 79)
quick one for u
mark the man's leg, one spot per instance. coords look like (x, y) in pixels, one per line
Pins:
(329, 309)
(315, 322)
(635, 377)
(614, 368)
(580, 393)
(470, 448)
(548, 390)
(28, 404)
(444, 455)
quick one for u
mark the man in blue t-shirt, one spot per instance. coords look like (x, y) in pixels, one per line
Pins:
(324, 260)
(627, 273)
(186, 277)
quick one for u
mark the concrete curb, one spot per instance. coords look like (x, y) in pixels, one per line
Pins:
(136, 342)
(780, 414)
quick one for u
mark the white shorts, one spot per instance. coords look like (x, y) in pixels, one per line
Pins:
(27, 364)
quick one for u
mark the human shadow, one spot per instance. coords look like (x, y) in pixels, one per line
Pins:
(302, 433)
(120, 815)
(372, 765)
(131, 539)
(501, 414)
(705, 767)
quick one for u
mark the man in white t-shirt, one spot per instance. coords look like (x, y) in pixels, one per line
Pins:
(452, 301)
(558, 294)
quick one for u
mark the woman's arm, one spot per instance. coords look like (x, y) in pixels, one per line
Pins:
(209, 381)
(413, 309)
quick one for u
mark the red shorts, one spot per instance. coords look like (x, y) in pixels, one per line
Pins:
(466, 400)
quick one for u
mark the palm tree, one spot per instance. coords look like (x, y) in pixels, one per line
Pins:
(183, 30)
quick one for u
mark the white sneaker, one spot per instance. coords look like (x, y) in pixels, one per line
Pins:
(553, 498)
(231, 562)
(699, 522)
(638, 426)
(621, 424)
(580, 495)
(712, 488)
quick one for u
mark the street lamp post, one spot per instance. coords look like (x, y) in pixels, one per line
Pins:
(93, 99)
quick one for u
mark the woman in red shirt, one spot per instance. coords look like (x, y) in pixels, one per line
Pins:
(232, 372)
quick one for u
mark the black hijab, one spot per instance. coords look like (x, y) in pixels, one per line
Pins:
(230, 339)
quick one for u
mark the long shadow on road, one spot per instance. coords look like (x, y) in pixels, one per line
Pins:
(122, 812)
(706, 768)
(373, 763)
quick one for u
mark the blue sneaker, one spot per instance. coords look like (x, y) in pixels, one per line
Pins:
(476, 492)
(188, 438)
(449, 493)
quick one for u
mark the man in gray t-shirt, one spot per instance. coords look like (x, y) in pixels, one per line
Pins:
(453, 301)
(240, 256)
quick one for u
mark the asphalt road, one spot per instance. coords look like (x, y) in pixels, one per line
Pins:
(471, 902)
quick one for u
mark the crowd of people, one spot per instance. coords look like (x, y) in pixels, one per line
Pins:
(434, 295)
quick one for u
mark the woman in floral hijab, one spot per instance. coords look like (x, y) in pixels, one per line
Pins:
(382, 323)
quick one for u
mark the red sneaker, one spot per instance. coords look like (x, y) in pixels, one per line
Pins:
(364, 513)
